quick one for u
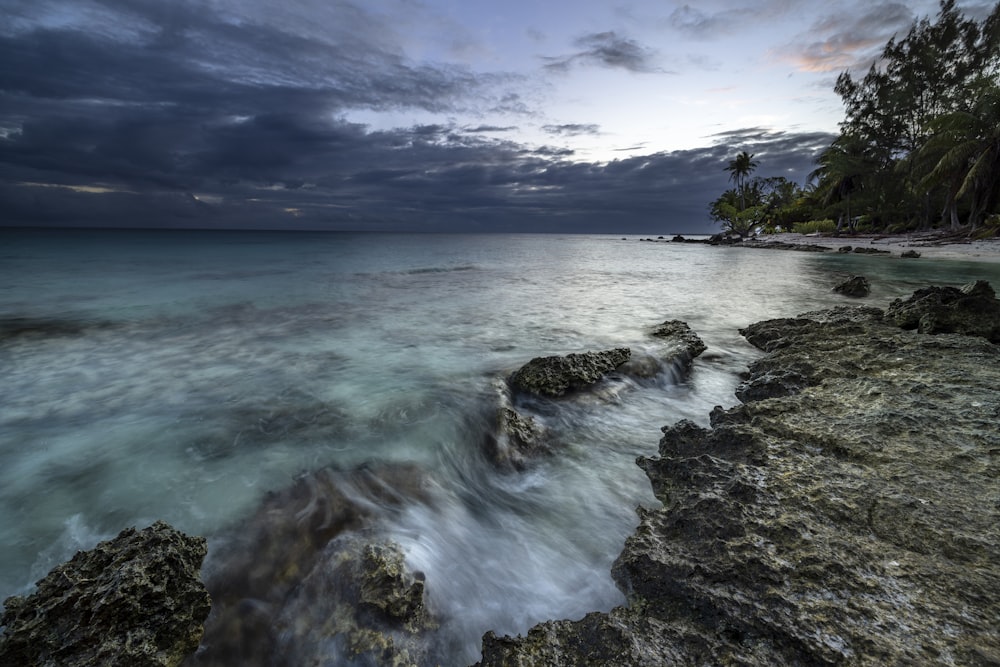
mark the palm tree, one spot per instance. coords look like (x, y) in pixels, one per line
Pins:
(843, 168)
(968, 143)
(739, 169)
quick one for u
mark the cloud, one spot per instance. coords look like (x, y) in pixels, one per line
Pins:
(178, 114)
(490, 128)
(848, 39)
(572, 129)
(430, 178)
(607, 49)
(696, 23)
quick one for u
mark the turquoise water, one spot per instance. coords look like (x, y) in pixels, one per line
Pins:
(144, 374)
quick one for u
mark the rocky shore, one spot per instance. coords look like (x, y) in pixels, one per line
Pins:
(846, 512)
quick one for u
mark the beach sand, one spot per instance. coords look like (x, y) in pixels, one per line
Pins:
(931, 245)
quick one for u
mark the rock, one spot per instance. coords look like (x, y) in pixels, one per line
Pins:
(134, 600)
(677, 347)
(681, 338)
(361, 604)
(855, 286)
(972, 310)
(516, 440)
(678, 239)
(555, 376)
(870, 251)
(909, 254)
(297, 582)
(844, 249)
(521, 440)
(780, 245)
(387, 586)
(851, 521)
(725, 239)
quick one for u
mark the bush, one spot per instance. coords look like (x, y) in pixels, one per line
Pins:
(990, 228)
(815, 226)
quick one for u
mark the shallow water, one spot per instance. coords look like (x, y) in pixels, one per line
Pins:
(182, 375)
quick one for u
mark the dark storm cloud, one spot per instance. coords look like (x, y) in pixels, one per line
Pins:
(137, 113)
(573, 129)
(405, 180)
(607, 49)
(490, 128)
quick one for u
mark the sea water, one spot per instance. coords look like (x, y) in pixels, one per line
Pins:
(183, 375)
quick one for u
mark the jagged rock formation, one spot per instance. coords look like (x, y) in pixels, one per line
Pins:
(555, 376)
(308, 578)
(849, 515)
(516, 439)
(855, 286)
(681, 339)
(676, 347)
(134, 600)
(972, 310)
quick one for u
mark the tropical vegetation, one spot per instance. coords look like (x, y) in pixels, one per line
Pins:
(919, 146)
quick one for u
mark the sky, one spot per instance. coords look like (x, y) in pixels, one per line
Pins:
(417, 115)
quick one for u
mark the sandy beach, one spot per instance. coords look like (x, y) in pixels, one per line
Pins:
(931, 245)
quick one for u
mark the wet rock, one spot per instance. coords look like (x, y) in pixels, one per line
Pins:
(134, 600)
(725, 239)
(855, 286)
(520, 439)
(844, 249)
(972, 310)
(870, 251)
(555, 376)
(288, 581)
(677, 347)
(781, 245)
(909, 254)
(680, 338)
(678, 239)
(848, 522)
(516, 439)
(360, 604)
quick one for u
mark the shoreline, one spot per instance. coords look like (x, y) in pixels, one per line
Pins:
(930, 245)
(814, 522)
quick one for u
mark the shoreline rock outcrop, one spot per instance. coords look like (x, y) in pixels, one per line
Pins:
(856, 287)
(972, 310)
(310, 575)
(556, 376)
(134, 600)
(846, 513)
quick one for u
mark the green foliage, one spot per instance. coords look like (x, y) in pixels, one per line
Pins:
(920, 142)
(826, 226)
(759, 203)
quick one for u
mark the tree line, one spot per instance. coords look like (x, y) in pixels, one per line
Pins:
(919, 146)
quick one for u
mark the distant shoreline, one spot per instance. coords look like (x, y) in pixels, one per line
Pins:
(931, 245)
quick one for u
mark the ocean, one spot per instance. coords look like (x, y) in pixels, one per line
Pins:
(183, 375)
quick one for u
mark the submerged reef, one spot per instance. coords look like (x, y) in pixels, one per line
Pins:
(847, 512)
